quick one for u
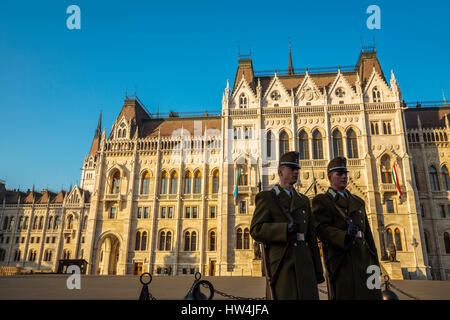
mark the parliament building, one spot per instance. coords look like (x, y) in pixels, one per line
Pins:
(175, 194)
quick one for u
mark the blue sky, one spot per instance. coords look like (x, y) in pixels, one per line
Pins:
(179, 54)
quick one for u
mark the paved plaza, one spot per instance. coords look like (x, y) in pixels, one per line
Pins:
(54, 286)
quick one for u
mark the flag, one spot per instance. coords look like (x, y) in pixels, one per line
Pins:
(237, 183)
(394, 175)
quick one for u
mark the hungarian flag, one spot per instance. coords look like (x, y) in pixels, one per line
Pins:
(394, 175)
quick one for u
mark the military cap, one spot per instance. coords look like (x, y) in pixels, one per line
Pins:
(337, 164)
(290, 159)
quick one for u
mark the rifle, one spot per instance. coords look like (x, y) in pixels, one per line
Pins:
(270, 295)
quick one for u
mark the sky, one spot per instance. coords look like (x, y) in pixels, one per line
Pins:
(178, 55)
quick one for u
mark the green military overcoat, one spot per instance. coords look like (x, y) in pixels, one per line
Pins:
(297, 272)
(346, 264)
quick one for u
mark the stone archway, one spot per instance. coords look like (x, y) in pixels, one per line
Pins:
(108, 255)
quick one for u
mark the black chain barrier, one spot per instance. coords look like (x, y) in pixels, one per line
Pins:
(194, 292)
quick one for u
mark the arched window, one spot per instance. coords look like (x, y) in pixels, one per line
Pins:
(70, 222)
(338, 146)
(187, 241)
(239, 238)
(138, 241)
(25, 223)
(187, 182)
(284, 143)
(198, 182)
(246, 238)
(376, 95)
(41, 222)
(66, 254)
(32, 255)
(317, 145)
(433, 178)
(162, 240)
(164, 182)
(174, 183)
(398, 240)
(48, 255)
(56, 223)
(3, 254)
(115, 188)
(193, 241)
(352, 144)
(243, 178)
(85, 221)
(19, 225)
(144, 241)
(386, 174)
(212, 241)
(215, 184)
(269, 144)
(447, 242)
(390, 238)
(17, 255)
(242, 101)
(50, 223)
(5, 223)
(35, 223)
(145, 185)
(303, 145)
(445, 178)
(427, 243)
(168, 241)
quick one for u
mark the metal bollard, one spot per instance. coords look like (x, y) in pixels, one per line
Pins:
(387, 294)
(194, 292)
(145, 294)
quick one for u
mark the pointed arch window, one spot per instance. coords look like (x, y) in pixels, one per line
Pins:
(198, 182)
(41, 222)
(338, 146)
(303, 145)
(398, 240)
(6, 220)
(174, 183)
(17, 255)
(269, 144)
(168, 241)
(447, 242)
(284, 143)
(35, 223)
(427, 242)
(145, 185)
(144, 241)
(239, 238)
(50, 223)
(317, 145)
(115, 186)
(433, 178)
(138, 241)
(215, 184)
(246, 238)
(445, 178)
(243, 178)
(164, 182)
(193, 241)
(376, 95)
(390, 238)
(187, 182)
(162, 240)
(352, 144)
(70, 222)
(212, 241)
(243, 101)
(386, 175)
(187, 241)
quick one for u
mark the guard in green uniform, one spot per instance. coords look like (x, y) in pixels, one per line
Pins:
(344, 230)
(283, 222)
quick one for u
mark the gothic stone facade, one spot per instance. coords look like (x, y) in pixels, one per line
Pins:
(158, 194)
